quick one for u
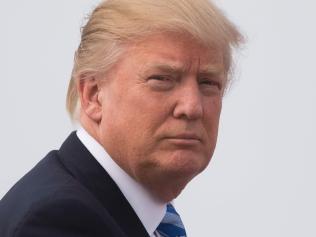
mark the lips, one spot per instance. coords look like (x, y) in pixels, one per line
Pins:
(186, 136)
(185, 139)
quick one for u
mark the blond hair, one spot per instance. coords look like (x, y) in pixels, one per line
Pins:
(116, 22)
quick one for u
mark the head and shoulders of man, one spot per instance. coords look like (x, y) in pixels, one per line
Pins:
(148, 83)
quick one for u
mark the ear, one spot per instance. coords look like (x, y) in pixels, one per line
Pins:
(89, 90)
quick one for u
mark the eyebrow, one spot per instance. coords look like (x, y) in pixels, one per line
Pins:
(214, 69)
(166, 68)
(173, 69)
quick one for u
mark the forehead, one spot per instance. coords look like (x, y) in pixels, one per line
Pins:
(177, 51)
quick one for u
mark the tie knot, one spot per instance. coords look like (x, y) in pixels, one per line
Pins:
(171, 225)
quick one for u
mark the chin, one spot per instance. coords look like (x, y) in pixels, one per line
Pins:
(167, 177)
(187, 163)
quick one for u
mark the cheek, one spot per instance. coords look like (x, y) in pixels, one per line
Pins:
(211, 120)
(212, 111)
(145, 113)
(137, 119)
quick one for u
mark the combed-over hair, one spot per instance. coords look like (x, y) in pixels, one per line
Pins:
(116, 22)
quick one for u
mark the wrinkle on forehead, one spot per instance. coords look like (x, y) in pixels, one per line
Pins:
(178, 68)
(188, 55)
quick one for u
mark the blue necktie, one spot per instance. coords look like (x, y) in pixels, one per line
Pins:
(171, 225)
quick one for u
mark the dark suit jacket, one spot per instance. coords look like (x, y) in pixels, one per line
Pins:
(68, 194)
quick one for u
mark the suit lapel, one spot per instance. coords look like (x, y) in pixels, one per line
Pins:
(82, 165)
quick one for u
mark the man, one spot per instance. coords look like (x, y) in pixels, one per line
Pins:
(147, 88)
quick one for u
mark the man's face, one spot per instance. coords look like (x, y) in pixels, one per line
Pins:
(161, 105)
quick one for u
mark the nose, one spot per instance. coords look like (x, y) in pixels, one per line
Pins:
(188, 102)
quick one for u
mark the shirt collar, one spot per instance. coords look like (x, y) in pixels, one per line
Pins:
(149, 210)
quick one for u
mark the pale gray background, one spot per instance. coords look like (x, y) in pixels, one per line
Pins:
(261, 181)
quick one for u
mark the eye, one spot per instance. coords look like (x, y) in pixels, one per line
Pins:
(158, 77)
(160, 82)
(211, 83)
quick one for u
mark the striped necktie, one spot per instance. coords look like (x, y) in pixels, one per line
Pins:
(171, 225)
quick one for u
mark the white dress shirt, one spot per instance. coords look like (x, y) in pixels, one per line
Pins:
(149, 210)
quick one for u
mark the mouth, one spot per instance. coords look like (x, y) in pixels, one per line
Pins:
(185, 139)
